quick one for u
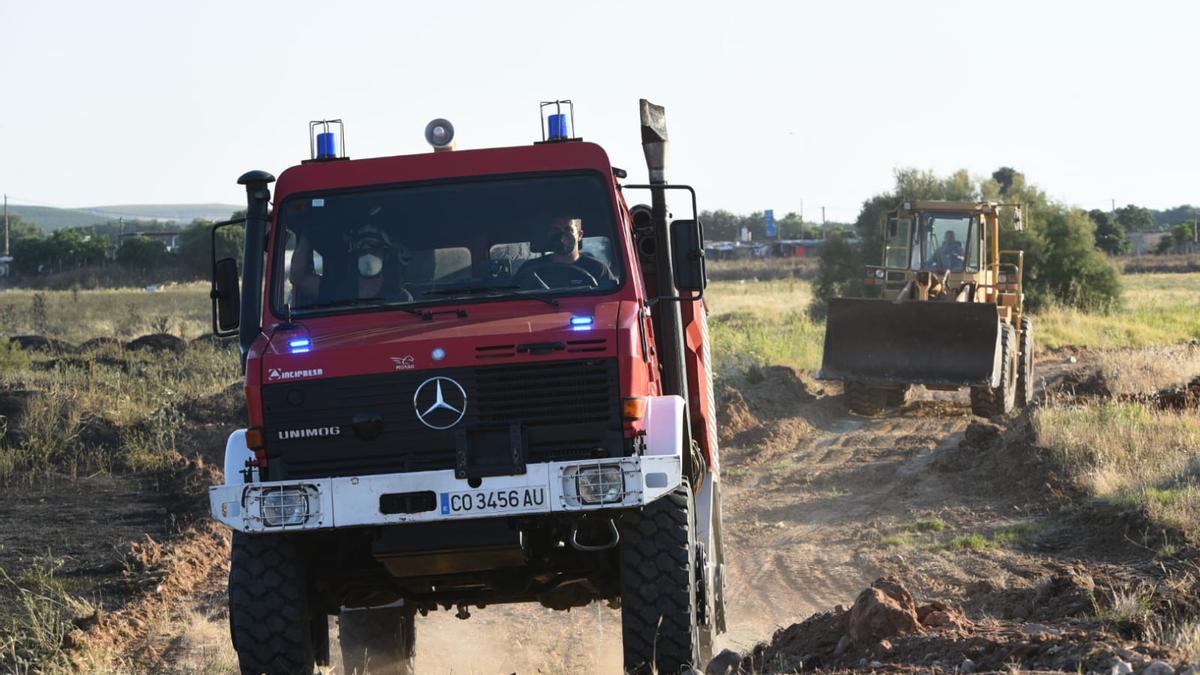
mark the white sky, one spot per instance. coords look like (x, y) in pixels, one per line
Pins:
(767, 104)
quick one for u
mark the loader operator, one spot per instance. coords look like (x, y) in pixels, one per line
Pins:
(372, 267)
(564, 265)
(949, 255)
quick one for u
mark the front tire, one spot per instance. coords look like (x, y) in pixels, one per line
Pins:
(863, 399)
(379, 641)
(659, 627)
(269, 614)
(999, 400)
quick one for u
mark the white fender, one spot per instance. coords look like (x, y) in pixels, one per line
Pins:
(236, 455)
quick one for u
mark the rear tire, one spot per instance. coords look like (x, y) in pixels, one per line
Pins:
(999, 400)
(659, 628)
(269, 614)
(1025, 369)
(379, 641)
(863, 399)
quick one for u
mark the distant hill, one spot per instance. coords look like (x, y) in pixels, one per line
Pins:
(51, 219)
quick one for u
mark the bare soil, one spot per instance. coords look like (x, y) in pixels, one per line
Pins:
(1006, 566)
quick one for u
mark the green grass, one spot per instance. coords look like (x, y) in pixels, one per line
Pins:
(756, 323)
(1005, 537)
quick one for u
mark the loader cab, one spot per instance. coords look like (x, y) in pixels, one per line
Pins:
(946, 242)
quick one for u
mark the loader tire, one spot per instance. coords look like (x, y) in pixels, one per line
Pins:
(1025, 378)
(378, 641)
(863, 399)
(898, 398)
(660, 632)
(999, 400)
(269, 613)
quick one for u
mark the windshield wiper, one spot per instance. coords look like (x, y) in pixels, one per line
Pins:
(500, 292)
(362, 302)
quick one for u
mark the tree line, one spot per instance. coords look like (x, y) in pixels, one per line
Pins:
(108, 246)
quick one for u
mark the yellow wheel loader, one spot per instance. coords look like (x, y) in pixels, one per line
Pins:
(950, 313)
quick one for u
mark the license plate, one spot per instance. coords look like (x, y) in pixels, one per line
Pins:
(484, 502)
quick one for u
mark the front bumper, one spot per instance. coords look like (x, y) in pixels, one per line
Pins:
(358, 501)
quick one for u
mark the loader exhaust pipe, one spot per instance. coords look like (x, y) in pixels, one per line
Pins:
(258, 198)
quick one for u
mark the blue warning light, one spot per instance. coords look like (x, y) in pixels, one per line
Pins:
(582, 322)
(557, 124)
(326, 145)
(300, 345)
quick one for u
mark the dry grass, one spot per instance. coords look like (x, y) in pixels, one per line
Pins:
(756, 323)
(1159, 309)
(1128, 453)
(1148, 370)
(76, 316)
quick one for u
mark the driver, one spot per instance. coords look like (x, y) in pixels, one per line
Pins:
(373, 267)
(949, 255)
(563, 237)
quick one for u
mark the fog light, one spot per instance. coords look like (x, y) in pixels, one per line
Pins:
(284, 506)
(600, 484)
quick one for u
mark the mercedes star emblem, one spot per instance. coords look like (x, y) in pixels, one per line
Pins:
(440, 402)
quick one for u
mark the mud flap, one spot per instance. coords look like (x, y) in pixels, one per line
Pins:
(882, 342)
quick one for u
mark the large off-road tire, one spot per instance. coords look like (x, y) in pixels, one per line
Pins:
(863, 399)
(269, 614)
(898, 397)
(378, 641)
(659, 629)
(999, 400)
(1025, 376)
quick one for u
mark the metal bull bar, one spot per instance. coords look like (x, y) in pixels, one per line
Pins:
(939, 343)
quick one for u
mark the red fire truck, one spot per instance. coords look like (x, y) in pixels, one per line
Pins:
(473, 377)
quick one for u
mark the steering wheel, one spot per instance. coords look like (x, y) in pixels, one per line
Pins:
(535, 273)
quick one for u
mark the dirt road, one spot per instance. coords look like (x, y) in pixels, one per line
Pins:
(818, 503)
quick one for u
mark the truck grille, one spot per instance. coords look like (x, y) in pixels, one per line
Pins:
(352, 426)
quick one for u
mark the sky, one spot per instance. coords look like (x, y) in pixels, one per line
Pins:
(784, 105)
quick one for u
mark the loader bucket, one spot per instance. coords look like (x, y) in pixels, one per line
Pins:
(881, 342)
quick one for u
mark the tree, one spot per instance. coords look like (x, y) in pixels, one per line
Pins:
(141, 253)
(195, 246)
(1135, 218)
(1110, 233)
(1004, 177)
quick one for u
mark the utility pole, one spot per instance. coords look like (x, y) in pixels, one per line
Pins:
(823, 216)
(5, 224)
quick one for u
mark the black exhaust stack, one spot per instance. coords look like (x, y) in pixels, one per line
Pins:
(258, 199)
(669, 318)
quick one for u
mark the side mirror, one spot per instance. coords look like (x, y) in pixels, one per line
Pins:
(687, 253)
(226, 299)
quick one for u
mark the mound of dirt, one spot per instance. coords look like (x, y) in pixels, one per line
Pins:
(41, 343)
(733, 414)
(1008, 460)
(210, 339)
(227, 408)
(159, 342)
(887, 630)
(1080, 382)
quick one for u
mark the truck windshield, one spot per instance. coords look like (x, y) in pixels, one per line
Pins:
(424, 244)
(943, 240)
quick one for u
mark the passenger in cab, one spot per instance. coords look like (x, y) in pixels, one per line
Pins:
(371, 267)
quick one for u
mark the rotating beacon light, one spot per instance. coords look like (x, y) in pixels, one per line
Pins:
(323, 143)
(558, 126)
